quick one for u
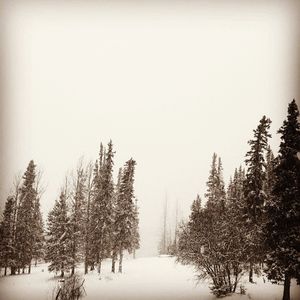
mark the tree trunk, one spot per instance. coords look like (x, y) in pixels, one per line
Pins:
(13, 270)
(35, 263)
(5, 270)
(235, 281)
(229, 279)
(99, 266)
(29, 268)
(23, 270)
(113, 262)
(251, 273)
(62, 274)
(86, 267)
(134, 254)
(92, 266)
(120, 261)
(73, 270)
(286, 289)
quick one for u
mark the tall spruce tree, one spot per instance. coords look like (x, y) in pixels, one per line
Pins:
(87, 218)
(25, 235)
(125, 216)
(59, 242)
(254, 192)
(77, 216)
(102, 217)
(115, 225)
(93, 257)
(283, 225)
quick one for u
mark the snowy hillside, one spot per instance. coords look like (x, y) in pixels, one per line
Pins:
(157, 278)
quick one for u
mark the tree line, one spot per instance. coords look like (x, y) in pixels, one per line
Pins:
(254, 225)
(92, 219)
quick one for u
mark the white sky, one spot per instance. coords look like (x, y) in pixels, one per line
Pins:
(169, 84)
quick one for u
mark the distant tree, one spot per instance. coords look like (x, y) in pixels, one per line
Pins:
(163, 243)
(6, 235)
(283, 225)
(254, 192)
(59, 242)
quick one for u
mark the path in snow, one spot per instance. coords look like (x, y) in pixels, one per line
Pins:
(155, 278)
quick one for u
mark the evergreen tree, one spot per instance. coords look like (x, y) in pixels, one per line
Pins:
(25, 235)
(212, 183)
(163, 244)
(212, 240)
(102, 217)
(254, 193)
(124, 219)
(115, 225)
(6, 235)
(235, 229)
(283, 226)
(88, 261)
(77, 221)
(59, 242)
(93, 256)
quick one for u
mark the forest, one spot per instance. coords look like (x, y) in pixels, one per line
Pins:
(93, 218)
(251, 226)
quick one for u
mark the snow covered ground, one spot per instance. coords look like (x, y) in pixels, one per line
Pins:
(157, 278)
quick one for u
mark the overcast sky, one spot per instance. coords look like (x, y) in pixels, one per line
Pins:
(169, 84)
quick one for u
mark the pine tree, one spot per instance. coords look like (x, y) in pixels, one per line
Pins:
(6, 234)
(77, 216)
(235, 229)
(212, 183)
(283, 226)
(25, 218)
(212, 240)
(163, 244)
(102, 217)
(115, 225)
(94, 211)
(254, 193)
(87, 219)
(124, 219)
(59, 242)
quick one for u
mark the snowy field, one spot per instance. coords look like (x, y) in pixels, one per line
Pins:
(157, 278)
